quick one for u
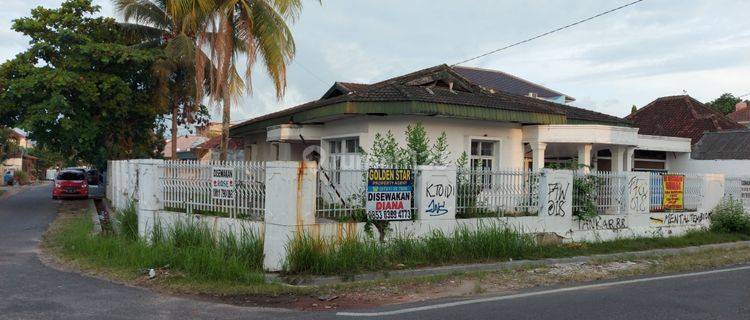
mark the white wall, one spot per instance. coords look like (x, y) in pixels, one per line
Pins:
(683, 163)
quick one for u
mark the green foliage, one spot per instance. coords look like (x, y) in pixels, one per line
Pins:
(81, 90)
(417, 144)
(310, 255)
(724, 104)
(633, 109)
(8, 145)
(439, 152)
(126, 221)
(585, 190)
(730, 217)
(21, 177)
(187, 248)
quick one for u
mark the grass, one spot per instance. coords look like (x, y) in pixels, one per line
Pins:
(309, 255)
(187, 250)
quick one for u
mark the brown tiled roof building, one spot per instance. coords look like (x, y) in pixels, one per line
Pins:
(680, 116)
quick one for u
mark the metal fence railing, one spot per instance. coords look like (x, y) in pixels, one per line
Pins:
(599, 192)
(483, 193)
(738, 188)
(187, 188)
(341, 193)
(693, 184)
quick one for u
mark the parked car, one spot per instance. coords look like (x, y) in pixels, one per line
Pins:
(70, 184)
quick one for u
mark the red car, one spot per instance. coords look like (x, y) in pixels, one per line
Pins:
(70, 184)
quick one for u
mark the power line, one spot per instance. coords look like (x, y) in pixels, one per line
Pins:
(548, 32)
(296, 63)
(744, 95)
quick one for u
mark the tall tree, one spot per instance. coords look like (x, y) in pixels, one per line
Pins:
(155, 26)
(8, 145)
(81, 90)
(725, 103)
(241, 28)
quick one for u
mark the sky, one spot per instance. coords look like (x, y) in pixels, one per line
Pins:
(630, 57)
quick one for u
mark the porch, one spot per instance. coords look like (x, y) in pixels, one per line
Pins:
(599, 148)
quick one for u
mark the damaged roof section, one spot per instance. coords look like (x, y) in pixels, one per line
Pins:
(436, 91)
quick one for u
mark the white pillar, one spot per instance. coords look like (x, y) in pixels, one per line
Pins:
(712, 191)
(556, 201)
(150, 195)
(629, 161)
(638, 193)
(537, 151)
(435, 193)
(290, 205)
(584, 156)
(618, 154)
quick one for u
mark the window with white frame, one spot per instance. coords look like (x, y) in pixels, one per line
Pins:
(343, 154)
(482, 155)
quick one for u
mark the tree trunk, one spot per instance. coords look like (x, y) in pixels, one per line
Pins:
(225, 128)
(174, 132)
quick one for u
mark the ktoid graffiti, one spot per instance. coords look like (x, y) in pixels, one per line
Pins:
(639, 201)
(438, 195)
(557, 198)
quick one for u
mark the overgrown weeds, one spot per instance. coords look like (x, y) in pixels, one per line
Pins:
(185, 249)
(489, 243)
(730, 216)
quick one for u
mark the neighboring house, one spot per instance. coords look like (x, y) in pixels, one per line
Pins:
(20, 159)
(186, 147)
(210, 150)
(726, 152)
(495, 128)
(680, 116)
(741, 113)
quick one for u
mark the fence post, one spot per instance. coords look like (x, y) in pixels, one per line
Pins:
(712, 191)
(435, 191)
(290, 205)
(638, 193)
(149, 193)
(556, 200)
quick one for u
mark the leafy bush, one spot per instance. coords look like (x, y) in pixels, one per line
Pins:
(21, 177)
(730, 217)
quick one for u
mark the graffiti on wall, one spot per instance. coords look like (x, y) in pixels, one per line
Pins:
(603, 223)
(557, 197)
(638, 189)
(437, 195)
(680, 218)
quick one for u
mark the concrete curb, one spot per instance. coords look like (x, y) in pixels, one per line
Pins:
(463, 268)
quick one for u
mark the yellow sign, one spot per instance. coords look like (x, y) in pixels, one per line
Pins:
(674, 191)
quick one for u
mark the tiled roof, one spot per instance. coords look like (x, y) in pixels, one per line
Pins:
(215, 142)
(680, 116)
(184, 143)
(432, 85)
(742, 115)
(727, 145)
(501, 81)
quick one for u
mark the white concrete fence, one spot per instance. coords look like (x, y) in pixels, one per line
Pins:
(281, 200)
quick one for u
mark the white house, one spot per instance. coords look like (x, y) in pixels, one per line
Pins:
(500, 121)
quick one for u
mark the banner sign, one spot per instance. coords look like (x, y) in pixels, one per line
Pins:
(222, 183)
(674, 191)
(389, 194)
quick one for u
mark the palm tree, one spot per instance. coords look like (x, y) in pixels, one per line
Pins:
(152, 24)
(234, 28)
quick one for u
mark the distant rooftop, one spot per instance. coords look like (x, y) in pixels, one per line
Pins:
(727, 145)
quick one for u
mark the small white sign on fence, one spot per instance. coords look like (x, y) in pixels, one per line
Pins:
(222, 183)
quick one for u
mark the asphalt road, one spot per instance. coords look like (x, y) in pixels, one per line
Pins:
(31, 290)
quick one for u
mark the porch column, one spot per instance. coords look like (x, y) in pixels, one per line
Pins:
(537, 157)
(629, 161)
(618, 153)
(584, 156)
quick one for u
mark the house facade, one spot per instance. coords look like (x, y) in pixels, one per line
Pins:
(497, 129)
